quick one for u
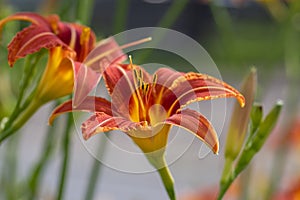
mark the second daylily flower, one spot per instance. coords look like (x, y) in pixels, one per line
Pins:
(68, 45)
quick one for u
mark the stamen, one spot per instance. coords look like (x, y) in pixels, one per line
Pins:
(73, 37)
(85, 35)
(138, 83)
(141, 75)
(135, 73)
(147, 87)
(154, 79)
(130, 60)
(96, 58)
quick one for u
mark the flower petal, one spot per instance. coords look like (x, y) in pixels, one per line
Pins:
(101, 122)
(198, 125)
(166, 77)
(89, 73)
(26, 16)
(196, 87)
(106, 53)
(90, 104)
(86, 80)
(58, 73)
(31, 40)
(80, 38)
(123, 87)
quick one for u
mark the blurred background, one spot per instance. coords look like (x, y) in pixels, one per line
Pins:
(237, 34)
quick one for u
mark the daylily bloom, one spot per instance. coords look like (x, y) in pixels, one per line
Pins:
(145, 107)
(68, 45)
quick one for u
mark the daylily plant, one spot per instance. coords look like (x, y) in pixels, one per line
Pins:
(145, 107)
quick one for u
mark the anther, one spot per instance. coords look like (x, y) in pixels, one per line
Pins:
(143, 86)
(141, 74)
(130, 60)
(85, 35)
(154, 80)
(135, 73)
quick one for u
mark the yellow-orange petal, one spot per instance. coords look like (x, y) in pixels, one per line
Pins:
(57, 79)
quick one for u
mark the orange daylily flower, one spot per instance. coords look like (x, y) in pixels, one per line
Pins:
(68, 45)
(145, 107)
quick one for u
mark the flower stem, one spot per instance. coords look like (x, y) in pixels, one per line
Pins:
(24, 109)
(157, 159)
(21, 119)
(96, 170)
(29, 69)
(37, 171)
(168, 181)
(66, 152)
(120, 17)
(84, 11)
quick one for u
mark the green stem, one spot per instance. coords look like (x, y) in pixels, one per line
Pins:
(66, 152)
(29, 67)
(227, 170)
(157, 159)
(84, 11)
(10, 169)
(22, 118)
(120, 16)
(96, 170)
(37, 172)
(168, 181)
(252, 147)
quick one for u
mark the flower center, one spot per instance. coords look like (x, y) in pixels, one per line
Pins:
(144, 94)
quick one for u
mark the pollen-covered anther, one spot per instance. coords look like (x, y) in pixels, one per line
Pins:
(85, 35)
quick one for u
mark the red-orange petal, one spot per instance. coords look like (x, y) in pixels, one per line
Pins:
(90, 104)
(31, 40)
(196, 87)
(107, 52)
(101, 122)
(166, 77)
(27, 16)
(85, 80)
(198, 125)
(71, 35)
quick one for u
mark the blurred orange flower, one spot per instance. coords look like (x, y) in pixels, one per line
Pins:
(68, 45)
